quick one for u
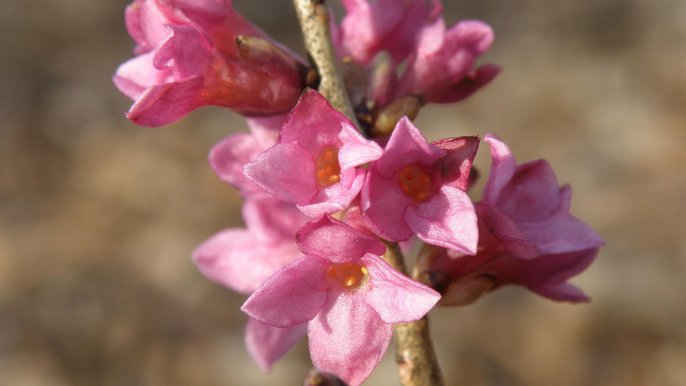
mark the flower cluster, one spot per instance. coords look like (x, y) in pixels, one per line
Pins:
(322, 198)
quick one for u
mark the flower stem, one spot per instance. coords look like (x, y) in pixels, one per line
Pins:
(414, 351)
(314, 23)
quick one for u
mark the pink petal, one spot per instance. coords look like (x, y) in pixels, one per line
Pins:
(134, 76)
(457, 163)
(336, 241)
(532, 194)
(293, 295)
(229, 156)
(561, 233)
(502, 168)
(273, 171)
(187, 52)
(348, 339)
(383, 205)
(406, 146)
(506, 233)
(272, 220)
(447, 220)
(233, 259)
(356, 150)
(548, 275)
(336, 197)
(314, 123)
(266, 129)
(396, 297)
(165, 103)
(267, 344)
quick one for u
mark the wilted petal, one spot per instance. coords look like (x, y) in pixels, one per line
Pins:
(348, 339)
(396, 297)
(267, 344)
(293, 295)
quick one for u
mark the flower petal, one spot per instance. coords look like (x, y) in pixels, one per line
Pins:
(406, 146)
(396, 297)
(383, 205)
(293, 295)
(165, 103)
(502, 168)
(336, 241)
(233, 259)
(230, 155)
(447, 220)
(348, 339)
(274, 169)
(267, 344)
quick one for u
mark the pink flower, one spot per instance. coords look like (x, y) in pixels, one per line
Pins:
(267, 344)
(243, 258)
(442, 67)
(383, 25)
(346, 293)
(419, 188)
(231, 154)
(316, 163)
(527, 210)
(526, 236)
(190, 55)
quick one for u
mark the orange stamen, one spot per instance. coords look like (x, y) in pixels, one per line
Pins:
(327, 169)
(415, 183)
(350, 276)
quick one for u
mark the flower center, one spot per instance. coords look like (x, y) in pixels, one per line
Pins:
(415, 183)
(328, 171)
(348, 275)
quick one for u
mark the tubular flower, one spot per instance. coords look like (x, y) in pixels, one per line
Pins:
(383, 25)
(442, 67)
(194, 54)
(325, 149)
(346, 293)
(419, 188)
(526, 236)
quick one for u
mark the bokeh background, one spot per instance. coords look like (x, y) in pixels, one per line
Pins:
(98, 217)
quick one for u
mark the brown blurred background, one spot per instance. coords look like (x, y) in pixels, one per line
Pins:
(98, 217)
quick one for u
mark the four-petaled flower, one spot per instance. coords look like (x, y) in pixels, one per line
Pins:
(317, 162)
(417, 187)
(526, 236)
(348, 295)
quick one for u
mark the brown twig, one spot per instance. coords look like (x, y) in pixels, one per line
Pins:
(414, 351)
(314, 23)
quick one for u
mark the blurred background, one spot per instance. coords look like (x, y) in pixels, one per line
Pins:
(98, 217)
